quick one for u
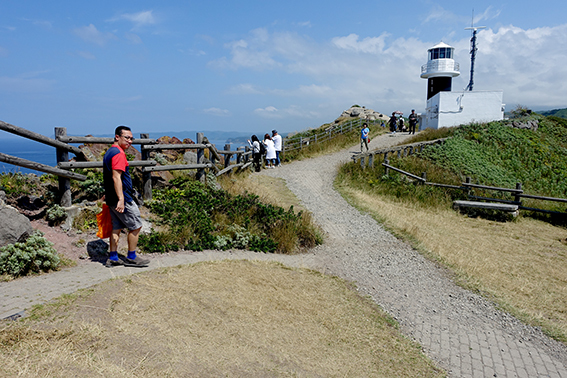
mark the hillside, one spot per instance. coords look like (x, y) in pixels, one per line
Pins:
(562, 113)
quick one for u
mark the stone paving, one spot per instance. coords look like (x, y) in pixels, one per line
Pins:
(459, 330)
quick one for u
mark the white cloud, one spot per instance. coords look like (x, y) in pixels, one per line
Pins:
(133, 38)
(244, 89)
(139, 19)
(93, 35)
(217, 112)
(488, 14)
(367, 45)
(438, 13)
(527, 64)
(268, 112)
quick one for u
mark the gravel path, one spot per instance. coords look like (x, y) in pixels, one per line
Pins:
(459, 330)
(463, 332)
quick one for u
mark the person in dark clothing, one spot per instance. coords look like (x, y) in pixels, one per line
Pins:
(393, 122)
(256, 152)
(412, 121)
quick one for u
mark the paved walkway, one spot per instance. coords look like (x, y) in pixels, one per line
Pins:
(461, 331)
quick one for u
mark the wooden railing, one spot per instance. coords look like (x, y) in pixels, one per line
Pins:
(401, 151)
(147, 164)
(332, 131)
(468, 187)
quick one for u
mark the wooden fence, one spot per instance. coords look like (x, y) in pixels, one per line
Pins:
(62, 144)
(469, 187)
(368, 158)
(299, 142)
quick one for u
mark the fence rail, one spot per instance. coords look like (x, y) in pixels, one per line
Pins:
(401, 151)
(299, 142)
(466, 186)
(147, 164)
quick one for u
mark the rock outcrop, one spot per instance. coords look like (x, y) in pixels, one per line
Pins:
(13, 225)
(362, 112)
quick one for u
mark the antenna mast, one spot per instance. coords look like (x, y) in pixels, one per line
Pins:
(473, 51)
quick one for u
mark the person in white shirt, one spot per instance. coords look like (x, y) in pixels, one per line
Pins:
(270, 151)
(277, 138)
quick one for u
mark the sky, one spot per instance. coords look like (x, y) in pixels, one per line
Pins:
(254, 66)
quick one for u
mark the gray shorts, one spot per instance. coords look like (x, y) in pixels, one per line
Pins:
(130, 218)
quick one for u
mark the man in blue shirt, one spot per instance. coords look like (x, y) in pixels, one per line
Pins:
(364, 139)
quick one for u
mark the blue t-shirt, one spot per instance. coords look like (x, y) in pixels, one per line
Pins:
(115, 158)
(364, 133)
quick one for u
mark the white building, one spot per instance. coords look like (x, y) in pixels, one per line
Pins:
(446, 108)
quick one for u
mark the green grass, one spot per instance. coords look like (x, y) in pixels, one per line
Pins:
(492, 154)
(337, 143)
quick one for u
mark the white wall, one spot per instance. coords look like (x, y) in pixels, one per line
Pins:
(447, 109)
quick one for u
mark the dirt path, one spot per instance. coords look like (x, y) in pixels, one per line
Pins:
(459, 330)
(463, 332)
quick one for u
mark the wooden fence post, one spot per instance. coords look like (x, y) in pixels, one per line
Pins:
(146, 176)
(239, 156)
(517, 197)
(212, 157)
(200, 158)
(64, 183)
(468, 181)
(424, 177)
(227, 157)
(386, 161)
(371, 161)
(362, 162)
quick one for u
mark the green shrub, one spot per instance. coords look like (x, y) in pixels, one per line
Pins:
(86, 219)
(197, 216)
(35, 255)
(55, 215)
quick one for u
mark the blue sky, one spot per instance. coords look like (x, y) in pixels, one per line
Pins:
(259, 65)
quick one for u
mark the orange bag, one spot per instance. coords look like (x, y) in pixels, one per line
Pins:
(104, 222)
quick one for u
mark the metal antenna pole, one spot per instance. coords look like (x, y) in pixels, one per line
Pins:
(473, 54)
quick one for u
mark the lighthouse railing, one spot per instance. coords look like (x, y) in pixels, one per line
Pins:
(440, 65)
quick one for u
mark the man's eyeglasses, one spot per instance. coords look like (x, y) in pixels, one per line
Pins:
(127, 137)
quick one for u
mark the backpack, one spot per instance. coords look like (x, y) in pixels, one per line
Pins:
(262, 149)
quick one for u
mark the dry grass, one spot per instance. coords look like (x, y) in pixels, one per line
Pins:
(522, 265)
(270, 189)
(229, 318)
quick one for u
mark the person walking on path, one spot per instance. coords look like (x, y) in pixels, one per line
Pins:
(401, 125)
(277, 138)
(412, 121)
(256, 152)
(393, 123)
(364, 138)
(118, 191)
(270, 151)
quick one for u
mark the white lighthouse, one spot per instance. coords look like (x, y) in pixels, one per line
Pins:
(446, 108)
(440, 69)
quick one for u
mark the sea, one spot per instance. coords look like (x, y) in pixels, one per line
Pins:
(41, 153)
